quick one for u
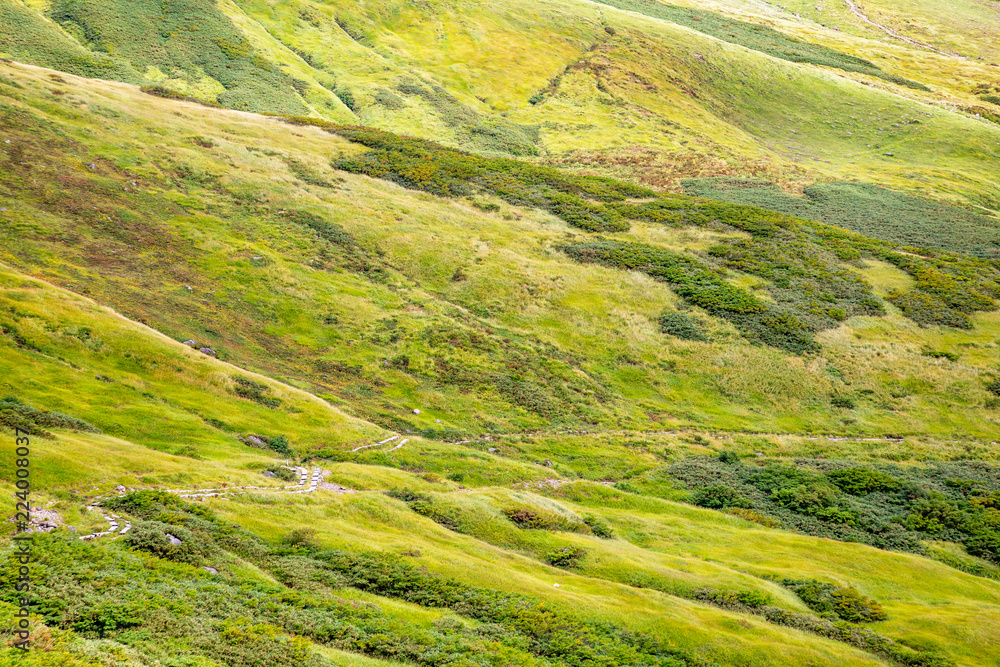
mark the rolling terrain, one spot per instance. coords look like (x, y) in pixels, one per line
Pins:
(502, 333)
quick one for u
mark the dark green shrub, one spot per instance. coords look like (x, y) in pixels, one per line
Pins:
(682, 326)
(731, 599)
(718, 497)
(566, 557)
(985, 544)
(845, 402)
(106, 618)
(254, 391)
(347, 97)
(832, 601)
(406, 495)
(16, 414)
(448, 516)
(859, 481)
(933, 515)
(599, 527)
(896, 508)
(278, 443)
(154, 537)
(283, 473)
(729, 457)
(815, 499)
(938, 354)
(304, 538)
(528, 518)
(993, 387)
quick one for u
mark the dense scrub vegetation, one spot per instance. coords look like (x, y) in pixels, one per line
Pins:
(839, 609)
(424, 165)
(699, 285)
(890, 507)
(759, 38)
(801, 260)
(866, 209)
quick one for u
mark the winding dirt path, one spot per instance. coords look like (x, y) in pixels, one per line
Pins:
(861, 15)
(307, 484)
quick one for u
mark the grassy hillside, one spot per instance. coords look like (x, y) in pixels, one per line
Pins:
(565, 334)
(866, 209)
(690, 612)
(642, 89)
(325, 280)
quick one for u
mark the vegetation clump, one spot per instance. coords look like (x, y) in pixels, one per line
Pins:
(864, 208)
(254, 391)
(599, 527)
(680, 325)
(566, 557)
(283, 473)
(277, 443)
(719, 497)
(172, 601)
(529, 518)
(167, 93)
(836, 602)
(702, 286)
(15, 414)
(891, 508)
(189, 38)
(862, 481)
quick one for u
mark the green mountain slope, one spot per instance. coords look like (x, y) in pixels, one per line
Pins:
(646, 558)
(620, 90)
(327, 280)
(500, 333)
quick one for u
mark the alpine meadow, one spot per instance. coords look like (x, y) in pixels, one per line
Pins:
(499, 333)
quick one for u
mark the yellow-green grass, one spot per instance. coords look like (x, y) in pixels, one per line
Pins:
(648, 70)
(929, 604)
(651, 85)
(345, 659)
(123, 377)
(965, 27)
(364, 521)
(512, 269)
